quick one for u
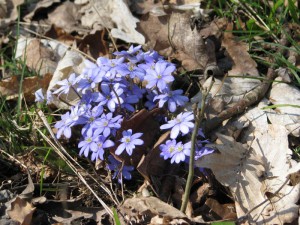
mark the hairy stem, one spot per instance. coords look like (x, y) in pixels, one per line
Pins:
(199, 115)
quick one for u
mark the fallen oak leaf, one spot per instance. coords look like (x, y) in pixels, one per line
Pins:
(38, 7)
(21, 211)
(250, 98)
(10, 87)
(38, 57)
(255, 175)
(191, 46)
(243, 64)
(114, 14)
(65, 16)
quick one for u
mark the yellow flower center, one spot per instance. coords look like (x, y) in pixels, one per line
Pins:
(171, 149)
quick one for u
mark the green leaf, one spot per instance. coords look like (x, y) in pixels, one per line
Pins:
(281, 105)
(293, 10)
(116, 217)
(223, 223)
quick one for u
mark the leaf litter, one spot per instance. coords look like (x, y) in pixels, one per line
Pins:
(253, 158)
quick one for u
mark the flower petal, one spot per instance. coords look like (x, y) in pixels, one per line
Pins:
(120, 149)
(175, 132)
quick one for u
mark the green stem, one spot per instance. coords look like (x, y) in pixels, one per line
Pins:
(199, 115)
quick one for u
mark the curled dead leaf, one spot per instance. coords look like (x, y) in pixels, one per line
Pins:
(194, 51)
(21, 211)
(65, 16)
(255, 175)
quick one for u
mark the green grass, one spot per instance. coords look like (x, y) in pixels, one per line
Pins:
(266, 20)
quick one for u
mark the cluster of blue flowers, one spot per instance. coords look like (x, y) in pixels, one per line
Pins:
(112, 88)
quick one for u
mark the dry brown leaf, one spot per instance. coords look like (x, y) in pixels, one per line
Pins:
(232, 89)
(59, 34)
(153, 164)
(213, 210)
(21, 211)
(144, 122)
(139, 209)
(74, 214)
(9, 11)
(71, 62)
(10, 87)
(194, 51)
(238, 52)
(215, 29)
(94, 44)
(255, 174)
(113, 14)
(65, 16)
(39, 6)
(155, 30)
(287, 116)
(39, 58)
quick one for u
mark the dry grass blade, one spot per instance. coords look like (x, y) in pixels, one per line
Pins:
(59, 149)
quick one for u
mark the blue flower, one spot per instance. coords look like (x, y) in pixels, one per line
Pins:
(181, 152)
(202, 151)
(160, 76)
(90, 77)
(90, 116)
(167, 150)
(130, 54)
(109, 64)
(128, 101)
(180, 124)
(66, 84)
(102, 143)
(132, 70)
(89, 143)
(116, 166)
(149, 104)
(174, 99)
(107, 124)
(68, 120)
(39, 95)
(129, 141)
(109, 97)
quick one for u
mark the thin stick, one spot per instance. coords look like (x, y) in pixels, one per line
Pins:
(59, 149)
(198, 119)
(108, 31)
(13, 159)
(245, 217)
(50, 39)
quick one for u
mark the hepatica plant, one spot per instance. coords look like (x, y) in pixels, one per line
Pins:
(112, 89)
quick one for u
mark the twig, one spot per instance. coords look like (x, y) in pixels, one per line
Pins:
(245, 217)
(254, 96)
(51, 39)
(108, 31)
(13, 159)
(198, 119)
